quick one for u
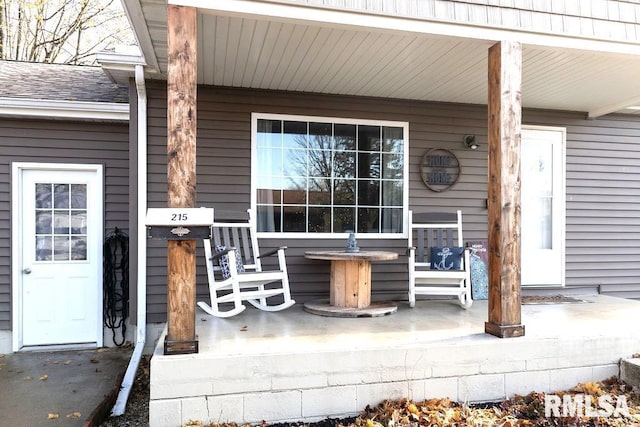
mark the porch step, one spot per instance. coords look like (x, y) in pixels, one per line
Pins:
(630, 371)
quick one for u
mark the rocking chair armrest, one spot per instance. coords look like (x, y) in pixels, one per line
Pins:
(221, 254)
(410, 248)
(272, 252)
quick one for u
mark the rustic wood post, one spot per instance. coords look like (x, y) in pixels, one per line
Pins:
(504, 134)
(181, 175)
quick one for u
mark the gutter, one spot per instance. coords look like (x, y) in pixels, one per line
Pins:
(141, 322)
(62, 109)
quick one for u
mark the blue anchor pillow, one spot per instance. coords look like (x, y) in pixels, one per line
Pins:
(223, 261)
(446, 258)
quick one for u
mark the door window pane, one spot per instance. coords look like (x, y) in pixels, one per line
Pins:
(78, 196)
(43, 196)
(61, 196)
(61, 211)
(78, 222)
(79, 248)
(61, 248)
(43, 222)
(61, 222)
(537, 193)
(44, 248)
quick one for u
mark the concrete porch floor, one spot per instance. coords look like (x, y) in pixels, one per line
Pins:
(293, 365)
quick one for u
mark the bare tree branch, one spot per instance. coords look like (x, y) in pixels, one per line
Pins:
(64, 31)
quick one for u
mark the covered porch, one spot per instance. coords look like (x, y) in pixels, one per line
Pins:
(294, 365)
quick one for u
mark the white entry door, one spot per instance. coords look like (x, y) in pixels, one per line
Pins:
(543, 206)
(60, 234)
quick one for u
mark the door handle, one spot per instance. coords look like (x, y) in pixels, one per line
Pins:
(27, 271)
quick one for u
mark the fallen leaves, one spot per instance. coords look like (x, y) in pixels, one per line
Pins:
(519, 411)
(44, 377)
(70, 416)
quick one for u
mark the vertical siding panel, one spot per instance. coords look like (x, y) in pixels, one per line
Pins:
(444, 10)
(573, 17)
(61, 142)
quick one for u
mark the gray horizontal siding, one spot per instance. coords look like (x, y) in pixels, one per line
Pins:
(60, 142)
(603, 201)
(605, 19)
(603, 236)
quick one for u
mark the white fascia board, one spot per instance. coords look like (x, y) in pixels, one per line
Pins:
(370, 20)
(133, 10)
(19, 107)
(119, 61)
(607, 109)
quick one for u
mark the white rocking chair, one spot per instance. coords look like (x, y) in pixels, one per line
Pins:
(247, 283)
(437, 230)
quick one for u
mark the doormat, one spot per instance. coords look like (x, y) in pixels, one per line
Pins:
(551, 299)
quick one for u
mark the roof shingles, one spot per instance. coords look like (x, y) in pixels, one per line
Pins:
(30, 80)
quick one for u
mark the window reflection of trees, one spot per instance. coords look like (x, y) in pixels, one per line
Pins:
(333, 182)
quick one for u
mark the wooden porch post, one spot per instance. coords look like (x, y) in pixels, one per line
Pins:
(181, 175)
(504, 133)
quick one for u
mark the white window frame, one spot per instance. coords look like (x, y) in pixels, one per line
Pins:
(334, 120)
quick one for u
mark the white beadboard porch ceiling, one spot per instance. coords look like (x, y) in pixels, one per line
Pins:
(257, 52)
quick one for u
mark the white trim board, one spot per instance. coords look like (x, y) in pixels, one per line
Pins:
(404, 24)
(22, 107)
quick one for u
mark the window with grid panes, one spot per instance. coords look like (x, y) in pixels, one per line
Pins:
(322, 175)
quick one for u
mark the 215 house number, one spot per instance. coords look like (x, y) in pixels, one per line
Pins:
(179, 217)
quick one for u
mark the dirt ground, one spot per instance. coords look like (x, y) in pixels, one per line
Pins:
(137, 410)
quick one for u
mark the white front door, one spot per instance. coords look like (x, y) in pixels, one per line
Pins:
(543, 206)
(60, 257)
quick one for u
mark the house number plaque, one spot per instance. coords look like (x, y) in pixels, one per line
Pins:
(439, 169)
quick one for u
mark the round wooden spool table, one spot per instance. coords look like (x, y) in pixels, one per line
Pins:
(350, 285)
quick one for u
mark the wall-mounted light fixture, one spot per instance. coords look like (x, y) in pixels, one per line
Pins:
(470, 142)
